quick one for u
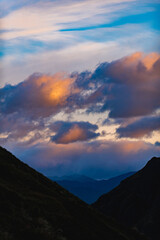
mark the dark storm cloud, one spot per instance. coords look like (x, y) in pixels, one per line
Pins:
(140, 128)
(68, 132)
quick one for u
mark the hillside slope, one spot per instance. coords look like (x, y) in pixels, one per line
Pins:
(136, 201)
(34, 207)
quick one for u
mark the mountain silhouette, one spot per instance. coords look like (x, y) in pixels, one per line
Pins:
(136, 201)
(88, 189)
(34, 207)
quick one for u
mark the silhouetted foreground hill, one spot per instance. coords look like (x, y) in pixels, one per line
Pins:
(34, 207)
(88, 189)
(136, 201)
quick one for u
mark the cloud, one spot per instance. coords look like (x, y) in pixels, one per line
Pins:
(140, 128)
(68, 132)
(38, 96)
(30, 19)
(130, 86)
(14, 128)
(33, 40)
(99, 159)
(125, 89)
(75, 57)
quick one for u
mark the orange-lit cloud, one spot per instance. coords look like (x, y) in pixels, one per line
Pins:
(68, 132)
(39, 95)
(136, 68)
(139, 57)
(55, 89)
(150, 59)
(74, 134)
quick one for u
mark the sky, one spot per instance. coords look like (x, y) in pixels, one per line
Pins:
(80, 84)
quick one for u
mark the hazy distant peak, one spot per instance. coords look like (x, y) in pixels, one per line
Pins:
(74, 177)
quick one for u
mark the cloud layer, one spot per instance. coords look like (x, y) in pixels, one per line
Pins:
(126, 91)
(126, 88)
(98, 159)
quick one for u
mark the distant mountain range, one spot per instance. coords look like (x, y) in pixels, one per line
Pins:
(34, 207)
(74, 177)
(136, 201)
(88, 189)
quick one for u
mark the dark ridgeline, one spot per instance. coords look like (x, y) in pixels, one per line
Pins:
(34, 207)
(88, 189)
(136, 201)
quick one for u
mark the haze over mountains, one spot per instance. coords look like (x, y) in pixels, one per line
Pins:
(34, 207)
(136, 201)
(89, 189)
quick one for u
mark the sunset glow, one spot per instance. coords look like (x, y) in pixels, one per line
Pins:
(80, 84)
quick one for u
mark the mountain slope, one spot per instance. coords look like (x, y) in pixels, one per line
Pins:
(34, 207)
(136, 201)
(88, 189)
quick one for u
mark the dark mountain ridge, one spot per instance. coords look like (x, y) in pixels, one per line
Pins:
(88, 189)
(34, 207)
(136, 201)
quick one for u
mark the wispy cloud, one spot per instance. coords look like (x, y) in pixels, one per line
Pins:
(39, 32)
(32, 21)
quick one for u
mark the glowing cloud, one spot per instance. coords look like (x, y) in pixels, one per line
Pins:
(38, 96)
(68, 132)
